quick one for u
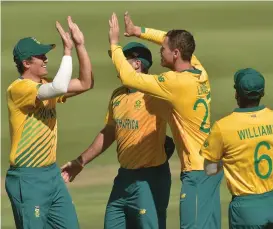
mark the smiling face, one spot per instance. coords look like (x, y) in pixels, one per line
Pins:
(37, 65)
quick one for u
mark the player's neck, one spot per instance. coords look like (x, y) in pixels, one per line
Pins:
(28, 75)
(181, 66)
(248, 106)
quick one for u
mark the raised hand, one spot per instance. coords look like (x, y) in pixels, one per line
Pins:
(113, 30)
(76, 33)
(66, 39)
(130, 28)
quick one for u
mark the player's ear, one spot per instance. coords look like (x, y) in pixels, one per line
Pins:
(236, 95)
(176, 54)
(26, 64)
(137, 64)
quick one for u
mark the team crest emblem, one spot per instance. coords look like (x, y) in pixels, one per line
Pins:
(183, 196)
(161, 78)
(37, 211)
(138, 104)
(116, 103)
(206, 144)
(142, 211)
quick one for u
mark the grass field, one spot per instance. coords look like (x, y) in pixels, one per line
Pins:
(229, 36)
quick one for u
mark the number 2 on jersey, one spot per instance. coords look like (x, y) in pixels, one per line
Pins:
(203, 101)
(257, 160)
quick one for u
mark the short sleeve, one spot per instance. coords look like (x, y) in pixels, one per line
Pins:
(24, 93)
(213, 147)
(109, 119)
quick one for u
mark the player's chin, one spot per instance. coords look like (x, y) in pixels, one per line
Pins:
(43, 72)
(162, 63)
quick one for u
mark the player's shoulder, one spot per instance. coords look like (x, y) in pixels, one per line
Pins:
(268, 113)
(184, 75)
(119, 91)
(12, 84)
(226, 121)
(267, 109)
(166, 77)
(21, 84)
(168, 74)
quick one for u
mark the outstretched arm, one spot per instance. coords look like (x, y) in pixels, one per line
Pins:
(156, 36)
(85, 81)
(155, 85)
(62, 83)
(102, 142)
(153, 35)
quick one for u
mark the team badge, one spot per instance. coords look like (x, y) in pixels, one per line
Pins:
(161, 78)
(37, 211)
(206, 144)
(116, 103)
(142, 211)
(183, 196)
(138, 104)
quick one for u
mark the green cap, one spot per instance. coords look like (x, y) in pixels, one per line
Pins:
(28, 47)
(249, 83)
(138, 51)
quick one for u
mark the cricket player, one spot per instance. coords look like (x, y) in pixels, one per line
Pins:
(141, 190)
(186, 87)
(37, 192)
(242, 143)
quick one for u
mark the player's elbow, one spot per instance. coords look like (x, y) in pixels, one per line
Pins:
(125, 82)
(129, 79)
(86, 84)
(90, 83)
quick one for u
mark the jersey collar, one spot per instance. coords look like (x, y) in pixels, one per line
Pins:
(251, 109)
(132, 91)
(194, 71)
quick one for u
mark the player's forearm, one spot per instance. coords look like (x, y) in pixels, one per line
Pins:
(140, 81)
(86, 77)
(124, 69)
(156, 36)
(59, 85)
(101, 143)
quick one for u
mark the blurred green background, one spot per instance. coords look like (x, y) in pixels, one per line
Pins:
(229, 36)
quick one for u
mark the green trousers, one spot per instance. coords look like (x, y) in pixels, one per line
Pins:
(200, 200)
(139, 199)
(40, 199)
(251, 211)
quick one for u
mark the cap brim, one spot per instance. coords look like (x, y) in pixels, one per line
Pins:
(43, 49)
